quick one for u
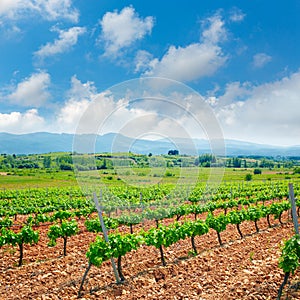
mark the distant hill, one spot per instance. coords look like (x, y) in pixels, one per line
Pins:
(44, 142)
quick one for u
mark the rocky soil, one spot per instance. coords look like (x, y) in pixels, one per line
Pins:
(240, 269)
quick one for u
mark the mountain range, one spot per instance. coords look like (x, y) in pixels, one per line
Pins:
(44, 142)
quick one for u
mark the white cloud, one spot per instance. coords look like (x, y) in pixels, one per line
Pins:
(32, 91)
(121, 30)
(79, 97)
(192, 61)
(237, 15)
(80, 91)
(8, 7)
(90, 112)
(70, 115)
(67, 39)
(142, 60)
(56, 9)
(92, 115)
(215, 31)
(269, 113)
(18, 123)
(189, 63)
(12, 32)
(83, 97)
(49, 9)
(261, 59)
(236, 91)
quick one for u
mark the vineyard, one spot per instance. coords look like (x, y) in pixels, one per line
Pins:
(166, 242)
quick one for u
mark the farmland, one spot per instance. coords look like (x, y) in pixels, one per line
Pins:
(169, 241)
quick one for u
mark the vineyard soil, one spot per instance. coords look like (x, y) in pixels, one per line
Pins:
(241, 269)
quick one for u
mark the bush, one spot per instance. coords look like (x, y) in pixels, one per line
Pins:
(169, 174)
(248, 177)
(297, 170)
(256, 171)
(66, 167)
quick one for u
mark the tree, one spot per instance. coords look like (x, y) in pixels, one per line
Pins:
(256, 171)
(66, 167)
(47, 162)
(297, 170)
(205, 160)
(173, 152)
(237, 162)
(266, 163)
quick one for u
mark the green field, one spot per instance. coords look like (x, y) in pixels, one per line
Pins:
(57, 169)
(128, 176)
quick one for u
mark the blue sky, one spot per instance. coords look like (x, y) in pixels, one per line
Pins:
(242, 57)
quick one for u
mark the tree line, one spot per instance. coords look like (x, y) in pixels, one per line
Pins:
(64, 161)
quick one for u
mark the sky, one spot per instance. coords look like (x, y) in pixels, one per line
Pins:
(58, 57)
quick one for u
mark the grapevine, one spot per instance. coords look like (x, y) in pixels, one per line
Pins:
(63, 230)
(25, 236)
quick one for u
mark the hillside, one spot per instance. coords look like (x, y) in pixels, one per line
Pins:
(44, 142)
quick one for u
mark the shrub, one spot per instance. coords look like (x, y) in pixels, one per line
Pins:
(256, 171)
(169, 174)
(297, 170)
(248, 177)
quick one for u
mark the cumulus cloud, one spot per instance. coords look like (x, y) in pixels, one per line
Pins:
(268, 113)
(85, 110)
(67, 39)
(188, 63)
(70, 115)
(32, 91)
(234, 90)
(265, 113)
(48, 9)
(92, 115)
(79, 97)
(157, 113)
(260, 60)
(18, 123)
(195, 60)
(121, 30)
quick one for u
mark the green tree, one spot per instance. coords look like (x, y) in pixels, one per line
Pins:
(256, 171)
(173, 152)
(47, 162)
(205, 160)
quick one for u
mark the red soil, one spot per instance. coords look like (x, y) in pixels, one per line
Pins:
(241, 269)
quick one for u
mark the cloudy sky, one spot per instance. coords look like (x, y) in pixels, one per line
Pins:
(242, 57)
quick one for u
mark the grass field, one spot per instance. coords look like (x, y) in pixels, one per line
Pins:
(139, 176)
